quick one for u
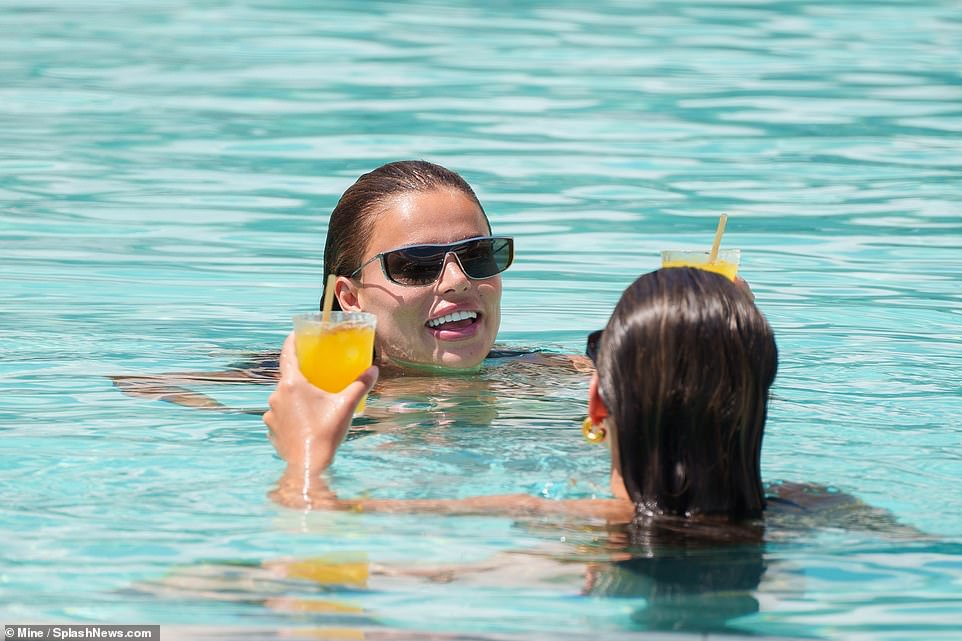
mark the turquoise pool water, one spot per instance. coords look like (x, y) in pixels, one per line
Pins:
(166, 169)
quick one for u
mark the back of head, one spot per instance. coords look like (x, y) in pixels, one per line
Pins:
(685, 366)
(352, 221)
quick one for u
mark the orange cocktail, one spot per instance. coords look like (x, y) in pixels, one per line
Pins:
(332, 354)
(726, 263)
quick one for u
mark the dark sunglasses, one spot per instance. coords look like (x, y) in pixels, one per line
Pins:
(591, 347)
(420, 265)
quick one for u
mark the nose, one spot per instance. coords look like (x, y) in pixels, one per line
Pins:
(453, 277)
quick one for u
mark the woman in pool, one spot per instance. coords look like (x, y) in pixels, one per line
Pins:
(681, 391)
(410, 243)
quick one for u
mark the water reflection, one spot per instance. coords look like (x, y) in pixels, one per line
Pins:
(165, 174)
(702, 581)
(692, 578)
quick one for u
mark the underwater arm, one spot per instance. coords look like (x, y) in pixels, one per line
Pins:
(171, 388)
(294, 493)
(300, 491)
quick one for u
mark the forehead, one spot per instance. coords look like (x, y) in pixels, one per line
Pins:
(434, 217)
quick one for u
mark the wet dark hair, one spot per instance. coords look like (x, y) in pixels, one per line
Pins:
(352, 221)
(685, 366)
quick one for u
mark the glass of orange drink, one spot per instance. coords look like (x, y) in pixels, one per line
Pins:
(332, 353)
(725, 263)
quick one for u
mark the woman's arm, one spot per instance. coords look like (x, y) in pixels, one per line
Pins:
(171, 387)
(307, 425)
(290, 493)
(299, 489)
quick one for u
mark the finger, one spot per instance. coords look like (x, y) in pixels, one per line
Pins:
(369, 377)
(354, 392)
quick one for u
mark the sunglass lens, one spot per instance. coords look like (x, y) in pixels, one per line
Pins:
(422, 264)
(591, 348)
(486, 257)
(414, 265)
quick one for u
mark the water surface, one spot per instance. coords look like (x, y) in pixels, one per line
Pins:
(166, 170)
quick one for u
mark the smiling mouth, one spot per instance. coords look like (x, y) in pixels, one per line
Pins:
(453, 322)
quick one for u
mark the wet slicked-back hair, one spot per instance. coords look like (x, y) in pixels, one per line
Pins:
(352, 221)
(685, 366)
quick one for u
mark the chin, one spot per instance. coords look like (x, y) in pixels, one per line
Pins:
(466, 359)
(463, 357)
(467, 355)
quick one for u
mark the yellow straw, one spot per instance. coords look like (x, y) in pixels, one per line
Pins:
(328, 298)
(718, 234)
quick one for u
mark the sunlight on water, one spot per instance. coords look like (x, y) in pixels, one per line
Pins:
(166, 169)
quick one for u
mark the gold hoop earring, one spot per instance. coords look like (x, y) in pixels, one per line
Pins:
(594, 434)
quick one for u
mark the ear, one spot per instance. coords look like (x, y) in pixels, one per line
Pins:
(597, 410)
(346, 291)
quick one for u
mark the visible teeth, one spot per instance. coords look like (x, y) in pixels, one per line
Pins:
(452, 317)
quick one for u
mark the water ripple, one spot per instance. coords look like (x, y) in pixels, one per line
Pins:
(166, 171)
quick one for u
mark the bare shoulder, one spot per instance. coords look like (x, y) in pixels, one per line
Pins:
(811, 505)
(541, 358)
(575, 362)
(791, 496)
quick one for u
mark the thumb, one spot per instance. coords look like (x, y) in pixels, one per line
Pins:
(287, 363)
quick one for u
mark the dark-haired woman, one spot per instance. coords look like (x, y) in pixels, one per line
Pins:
(680, 393)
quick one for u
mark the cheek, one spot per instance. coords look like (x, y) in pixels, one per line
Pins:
(411, 312)
(490, 291)
(399, 310)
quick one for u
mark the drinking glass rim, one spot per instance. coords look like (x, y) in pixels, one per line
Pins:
(339, 318)
(707, 252)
